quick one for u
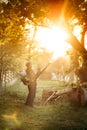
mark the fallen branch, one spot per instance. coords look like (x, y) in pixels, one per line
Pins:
(76, 96)
(56, 94)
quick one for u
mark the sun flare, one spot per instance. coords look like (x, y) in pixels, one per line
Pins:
(53, 40)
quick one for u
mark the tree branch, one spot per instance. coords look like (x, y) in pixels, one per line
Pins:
(41, 71)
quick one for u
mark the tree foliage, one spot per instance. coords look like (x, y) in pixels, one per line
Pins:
(14, 14)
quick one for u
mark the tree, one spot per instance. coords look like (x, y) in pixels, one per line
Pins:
(79, 12)
(16, 13)
(61, 66)
(31, 74)
(11, 42)
(66, 12)
(32, 83)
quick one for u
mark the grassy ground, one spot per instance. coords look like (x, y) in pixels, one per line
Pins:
(14, 115)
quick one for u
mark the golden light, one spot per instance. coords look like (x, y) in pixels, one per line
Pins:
(53, 40)
(12, 117)
(77, 32)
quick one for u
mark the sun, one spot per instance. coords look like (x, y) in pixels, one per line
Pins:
(53, 39)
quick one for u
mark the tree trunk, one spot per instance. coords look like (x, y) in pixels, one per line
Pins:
(32, 83)
(0, 83)
(73, 41)
(31, 94)
(82, 74)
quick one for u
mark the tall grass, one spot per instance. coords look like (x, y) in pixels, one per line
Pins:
(14, 115)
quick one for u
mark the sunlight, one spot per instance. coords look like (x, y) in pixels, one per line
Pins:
(12, 117)
(85, 40)
(53, 40)
(77, 32)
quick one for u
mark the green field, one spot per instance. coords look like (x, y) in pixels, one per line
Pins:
(14, 115)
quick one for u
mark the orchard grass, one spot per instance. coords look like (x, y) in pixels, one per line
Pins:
(15, 115)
